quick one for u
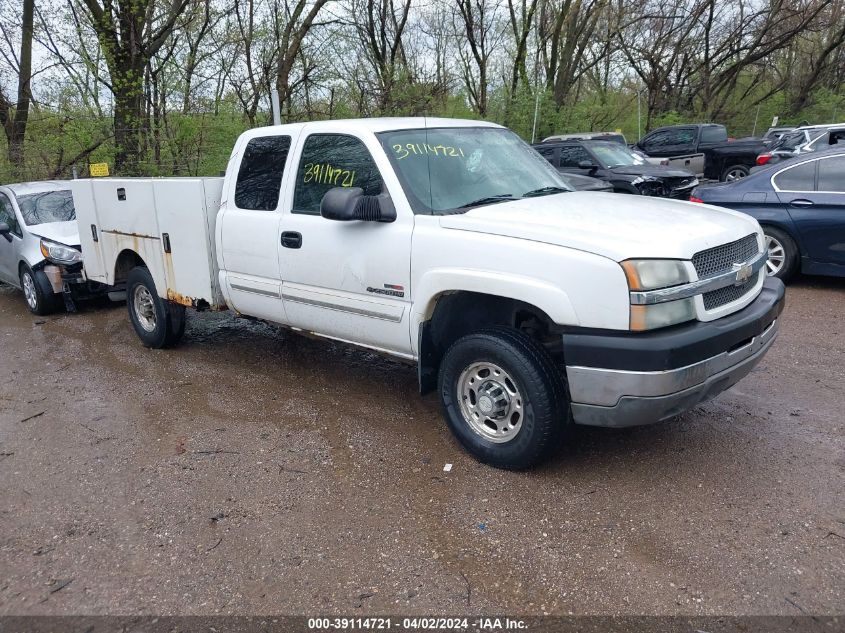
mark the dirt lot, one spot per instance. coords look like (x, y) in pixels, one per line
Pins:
(256, 471)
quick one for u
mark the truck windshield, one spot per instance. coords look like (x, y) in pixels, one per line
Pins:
(615, 155)
(450, 170)
(46, 207)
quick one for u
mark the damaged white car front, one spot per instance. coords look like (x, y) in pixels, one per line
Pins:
(39, 246)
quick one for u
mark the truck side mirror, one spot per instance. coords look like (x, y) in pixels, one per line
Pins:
(588, 165)
(5, 231)
(350, 203)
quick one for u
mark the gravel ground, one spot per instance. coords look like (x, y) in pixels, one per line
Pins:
(254, 471)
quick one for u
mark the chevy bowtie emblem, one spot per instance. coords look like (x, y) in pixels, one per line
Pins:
(743, 273)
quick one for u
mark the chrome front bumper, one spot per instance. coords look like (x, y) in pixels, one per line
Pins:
(619, 398)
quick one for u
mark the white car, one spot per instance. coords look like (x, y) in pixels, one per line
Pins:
(453, 245)
(39, 243)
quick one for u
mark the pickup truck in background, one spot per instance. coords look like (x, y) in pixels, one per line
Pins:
(453, 245)
(706, 150)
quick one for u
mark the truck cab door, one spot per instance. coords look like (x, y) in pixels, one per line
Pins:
(248, 227)
(348, 280)
(675, 147)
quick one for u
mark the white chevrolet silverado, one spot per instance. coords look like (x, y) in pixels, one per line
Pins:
(454, 245)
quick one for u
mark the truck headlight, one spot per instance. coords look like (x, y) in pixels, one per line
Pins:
(650, 317)
(653, 274)
(650, 274)
(59, 253)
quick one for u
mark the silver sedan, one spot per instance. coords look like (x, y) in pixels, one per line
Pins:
(39, 243)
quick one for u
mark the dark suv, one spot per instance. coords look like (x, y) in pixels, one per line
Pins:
(627, 171)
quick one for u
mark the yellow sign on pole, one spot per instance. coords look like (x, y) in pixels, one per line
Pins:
(98, 169)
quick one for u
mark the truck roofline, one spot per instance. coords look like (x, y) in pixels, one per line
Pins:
(376, 124)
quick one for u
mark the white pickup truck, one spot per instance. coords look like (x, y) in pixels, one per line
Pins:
(454, 245)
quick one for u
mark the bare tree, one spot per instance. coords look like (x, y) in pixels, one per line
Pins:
(296, 27)
(522, 25)
(14, 123)
(478, 27)
(380, 25)
(130, 32)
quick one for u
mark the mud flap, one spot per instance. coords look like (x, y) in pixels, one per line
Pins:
(427, 361)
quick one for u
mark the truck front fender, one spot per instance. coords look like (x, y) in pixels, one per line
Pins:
(433, 284)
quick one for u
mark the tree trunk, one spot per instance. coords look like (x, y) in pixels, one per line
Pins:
(17, 131)
(128, 114)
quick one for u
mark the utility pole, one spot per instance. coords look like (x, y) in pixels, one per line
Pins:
(536, 69)
(274, 106)
(639, 115)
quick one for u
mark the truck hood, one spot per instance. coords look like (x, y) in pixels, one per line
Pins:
(613, 225)
(62, 232)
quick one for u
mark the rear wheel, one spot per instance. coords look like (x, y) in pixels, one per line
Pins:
(503, 398)
(734, 172)
(783, 253)
(158, 323)
(37, 291)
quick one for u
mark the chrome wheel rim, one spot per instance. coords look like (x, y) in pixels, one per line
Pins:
(777, 256)
(491, 403)
(29, 293)
(735, 174)
(144, 307)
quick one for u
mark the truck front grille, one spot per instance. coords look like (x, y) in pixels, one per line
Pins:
(721, 259)
(722, 296)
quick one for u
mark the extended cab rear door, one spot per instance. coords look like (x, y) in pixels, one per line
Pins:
(346, 280)
(249, 220)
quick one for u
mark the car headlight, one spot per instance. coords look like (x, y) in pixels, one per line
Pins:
(653, 274)
(59, 253)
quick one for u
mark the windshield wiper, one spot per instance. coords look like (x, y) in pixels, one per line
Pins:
(544, 191)
(501, 197)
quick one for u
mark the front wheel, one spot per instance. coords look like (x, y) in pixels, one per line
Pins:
(503, 398)
(37, 291)
(157, 323)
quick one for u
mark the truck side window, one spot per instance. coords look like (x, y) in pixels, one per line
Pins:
(669, 138)
(333, 160)
(7, 215)
(549, 153)
(260, 173)
(714, 134)
(573, 155)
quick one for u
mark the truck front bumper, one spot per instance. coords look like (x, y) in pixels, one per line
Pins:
(628, 379)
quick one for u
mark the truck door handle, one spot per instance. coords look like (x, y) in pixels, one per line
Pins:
(291, 239)
(801, 202)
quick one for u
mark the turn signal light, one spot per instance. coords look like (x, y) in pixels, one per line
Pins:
(762, 159)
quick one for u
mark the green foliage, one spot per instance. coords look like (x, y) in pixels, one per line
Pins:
(200, 143)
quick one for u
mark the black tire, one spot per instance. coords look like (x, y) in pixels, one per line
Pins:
(38, 292)
(737, 171)
(545, 414)
(775, 238)
(158, 323)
